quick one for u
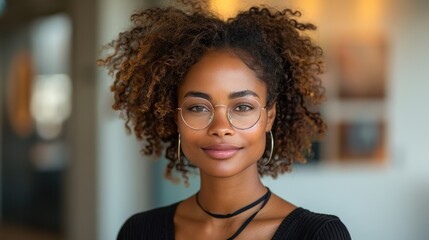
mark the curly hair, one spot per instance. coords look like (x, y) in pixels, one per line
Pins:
(151, 60)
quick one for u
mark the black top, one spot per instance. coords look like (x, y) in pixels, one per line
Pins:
(299, 224)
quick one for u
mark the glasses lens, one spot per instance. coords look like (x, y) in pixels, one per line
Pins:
(244, 113)
(197, 112)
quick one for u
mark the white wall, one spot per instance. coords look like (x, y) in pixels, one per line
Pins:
(107, 180)
(123, 173)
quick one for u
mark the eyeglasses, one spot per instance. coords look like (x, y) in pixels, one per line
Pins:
(242, 113)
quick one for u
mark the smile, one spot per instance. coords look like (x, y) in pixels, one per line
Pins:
(221, 151)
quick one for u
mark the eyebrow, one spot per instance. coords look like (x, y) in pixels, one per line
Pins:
(232, 95)
(198, 94)
(243, 93)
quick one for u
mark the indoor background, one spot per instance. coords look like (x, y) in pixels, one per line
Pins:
(68, 170)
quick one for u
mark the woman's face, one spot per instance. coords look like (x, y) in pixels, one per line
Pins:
(218, 80)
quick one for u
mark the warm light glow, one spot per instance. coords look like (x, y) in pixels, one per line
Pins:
(310, 10)
(225, 8)
(370, 13)
(51, 104)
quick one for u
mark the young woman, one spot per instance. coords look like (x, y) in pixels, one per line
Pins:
(231, 98)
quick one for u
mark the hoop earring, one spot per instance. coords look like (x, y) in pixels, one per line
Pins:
(178, 150)
(271, 150)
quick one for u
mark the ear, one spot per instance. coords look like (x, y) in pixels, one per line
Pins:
(271, 116)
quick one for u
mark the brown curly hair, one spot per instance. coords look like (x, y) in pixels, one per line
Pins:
(151, 60)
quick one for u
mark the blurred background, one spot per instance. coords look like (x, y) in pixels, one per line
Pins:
(69, 171)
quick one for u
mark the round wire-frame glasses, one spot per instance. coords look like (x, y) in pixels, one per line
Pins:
(242, 113)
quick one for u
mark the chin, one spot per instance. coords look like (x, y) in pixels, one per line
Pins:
(226, 170)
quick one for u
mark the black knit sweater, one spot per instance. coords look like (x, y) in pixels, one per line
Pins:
(300, 224)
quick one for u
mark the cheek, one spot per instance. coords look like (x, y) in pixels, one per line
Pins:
(256, 144)
(189, 140)
(255, 140)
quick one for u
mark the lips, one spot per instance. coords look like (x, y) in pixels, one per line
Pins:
(221, 151)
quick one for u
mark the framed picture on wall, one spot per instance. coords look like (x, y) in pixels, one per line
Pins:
(362, 66)
(362, 141)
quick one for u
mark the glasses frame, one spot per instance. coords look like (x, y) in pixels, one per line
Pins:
(226, 113)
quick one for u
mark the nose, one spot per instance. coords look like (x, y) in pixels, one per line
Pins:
(220, 125)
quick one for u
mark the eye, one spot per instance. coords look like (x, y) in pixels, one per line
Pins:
(198, 108)
(243, 107)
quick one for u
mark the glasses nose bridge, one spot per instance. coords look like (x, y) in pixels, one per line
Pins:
(226, 114)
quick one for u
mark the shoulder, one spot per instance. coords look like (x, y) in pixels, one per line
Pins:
(151, 224)
(323, 226)
(304, 224)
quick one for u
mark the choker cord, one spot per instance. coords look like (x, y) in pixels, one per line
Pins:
(241, 210)
(249, 219)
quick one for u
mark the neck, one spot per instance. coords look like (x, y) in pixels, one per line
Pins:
(226, 195)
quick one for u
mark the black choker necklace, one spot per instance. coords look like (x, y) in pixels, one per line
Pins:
(264, 199)
(241, 210)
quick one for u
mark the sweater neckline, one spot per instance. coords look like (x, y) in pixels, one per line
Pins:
(284, 225)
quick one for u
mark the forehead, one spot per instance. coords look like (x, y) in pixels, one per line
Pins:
(220, 73)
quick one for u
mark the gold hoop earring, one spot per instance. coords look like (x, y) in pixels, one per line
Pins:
(271, 150)
(178, 150)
